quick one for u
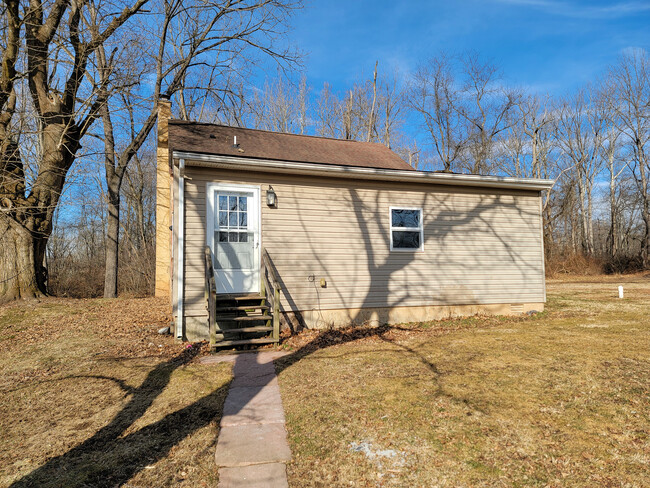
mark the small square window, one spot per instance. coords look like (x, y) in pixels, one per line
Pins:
(406, 232)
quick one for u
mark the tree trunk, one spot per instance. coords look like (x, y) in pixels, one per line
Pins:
(613, 228)
(584, 224)
(371, 118)
(645, 199)
(645, 243)
(26, 221)
(112, 238)
(141, 231)
(22, 274)
(591, 246)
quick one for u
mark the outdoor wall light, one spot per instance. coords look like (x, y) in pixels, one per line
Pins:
(271, 198)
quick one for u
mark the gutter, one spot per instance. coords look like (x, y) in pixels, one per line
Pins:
(355, 172)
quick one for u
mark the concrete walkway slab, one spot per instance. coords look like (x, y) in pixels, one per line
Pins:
(255, 379)
(253, 375)
(253, 405)
(252, 445)
(241, 445)
(256, 476)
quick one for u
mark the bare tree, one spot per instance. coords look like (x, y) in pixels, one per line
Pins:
(372, 117)
(281, 106)
(410, 152)
(486, 107)
(629, 84)
(370, 111)
(611, 154)
(579, 134)
(392, 101)
(190, 35)
(327, 113)
(465, 110)
(434, 95)
(537, 123)
(48, 57)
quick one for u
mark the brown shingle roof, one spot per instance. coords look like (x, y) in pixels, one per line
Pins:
(218, 139)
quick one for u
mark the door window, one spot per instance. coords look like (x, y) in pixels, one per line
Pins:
(233, 235)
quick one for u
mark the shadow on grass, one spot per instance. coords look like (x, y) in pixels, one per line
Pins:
(110, 458)
(342, 336)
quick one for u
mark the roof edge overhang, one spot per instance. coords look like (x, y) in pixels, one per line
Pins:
(359, 172)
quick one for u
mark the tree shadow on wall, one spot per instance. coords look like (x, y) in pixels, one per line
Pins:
(470, 251)
(443, 235)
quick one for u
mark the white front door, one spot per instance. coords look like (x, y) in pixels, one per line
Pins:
(233, 220)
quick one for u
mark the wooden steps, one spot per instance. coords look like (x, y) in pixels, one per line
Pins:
(244, 342)
(251, 318)
(239, 297)
(243, 318)
(244, 330)
(241, 308)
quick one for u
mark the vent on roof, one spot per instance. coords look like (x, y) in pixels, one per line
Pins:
(234, 143)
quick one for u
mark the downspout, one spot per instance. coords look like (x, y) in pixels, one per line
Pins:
(180, 259)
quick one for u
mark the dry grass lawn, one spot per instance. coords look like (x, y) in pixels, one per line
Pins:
(91, 395)
(558, 399)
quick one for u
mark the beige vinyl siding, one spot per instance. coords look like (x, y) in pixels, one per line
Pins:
(481, 246)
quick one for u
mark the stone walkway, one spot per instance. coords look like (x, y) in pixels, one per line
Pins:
(252, 447)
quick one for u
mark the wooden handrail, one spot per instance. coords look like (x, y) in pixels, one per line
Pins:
(210, 295)
(270, 281)
(266, 260)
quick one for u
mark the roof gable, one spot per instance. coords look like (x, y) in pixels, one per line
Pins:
(251, 143)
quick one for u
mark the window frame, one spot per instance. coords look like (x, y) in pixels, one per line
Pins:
(419, 229)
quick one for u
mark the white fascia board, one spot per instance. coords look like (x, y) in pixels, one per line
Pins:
(356, 172)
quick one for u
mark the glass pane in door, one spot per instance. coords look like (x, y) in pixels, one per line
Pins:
(234, 239)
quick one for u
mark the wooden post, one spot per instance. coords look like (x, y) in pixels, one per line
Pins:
(210, 297)
(276, 313)
(264, 293)
(211, 319)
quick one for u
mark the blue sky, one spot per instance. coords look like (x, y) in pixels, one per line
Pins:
(543, 45)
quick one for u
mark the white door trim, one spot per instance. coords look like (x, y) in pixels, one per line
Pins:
(210, 190)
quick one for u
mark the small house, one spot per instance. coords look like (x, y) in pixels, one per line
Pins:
(259, 230)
